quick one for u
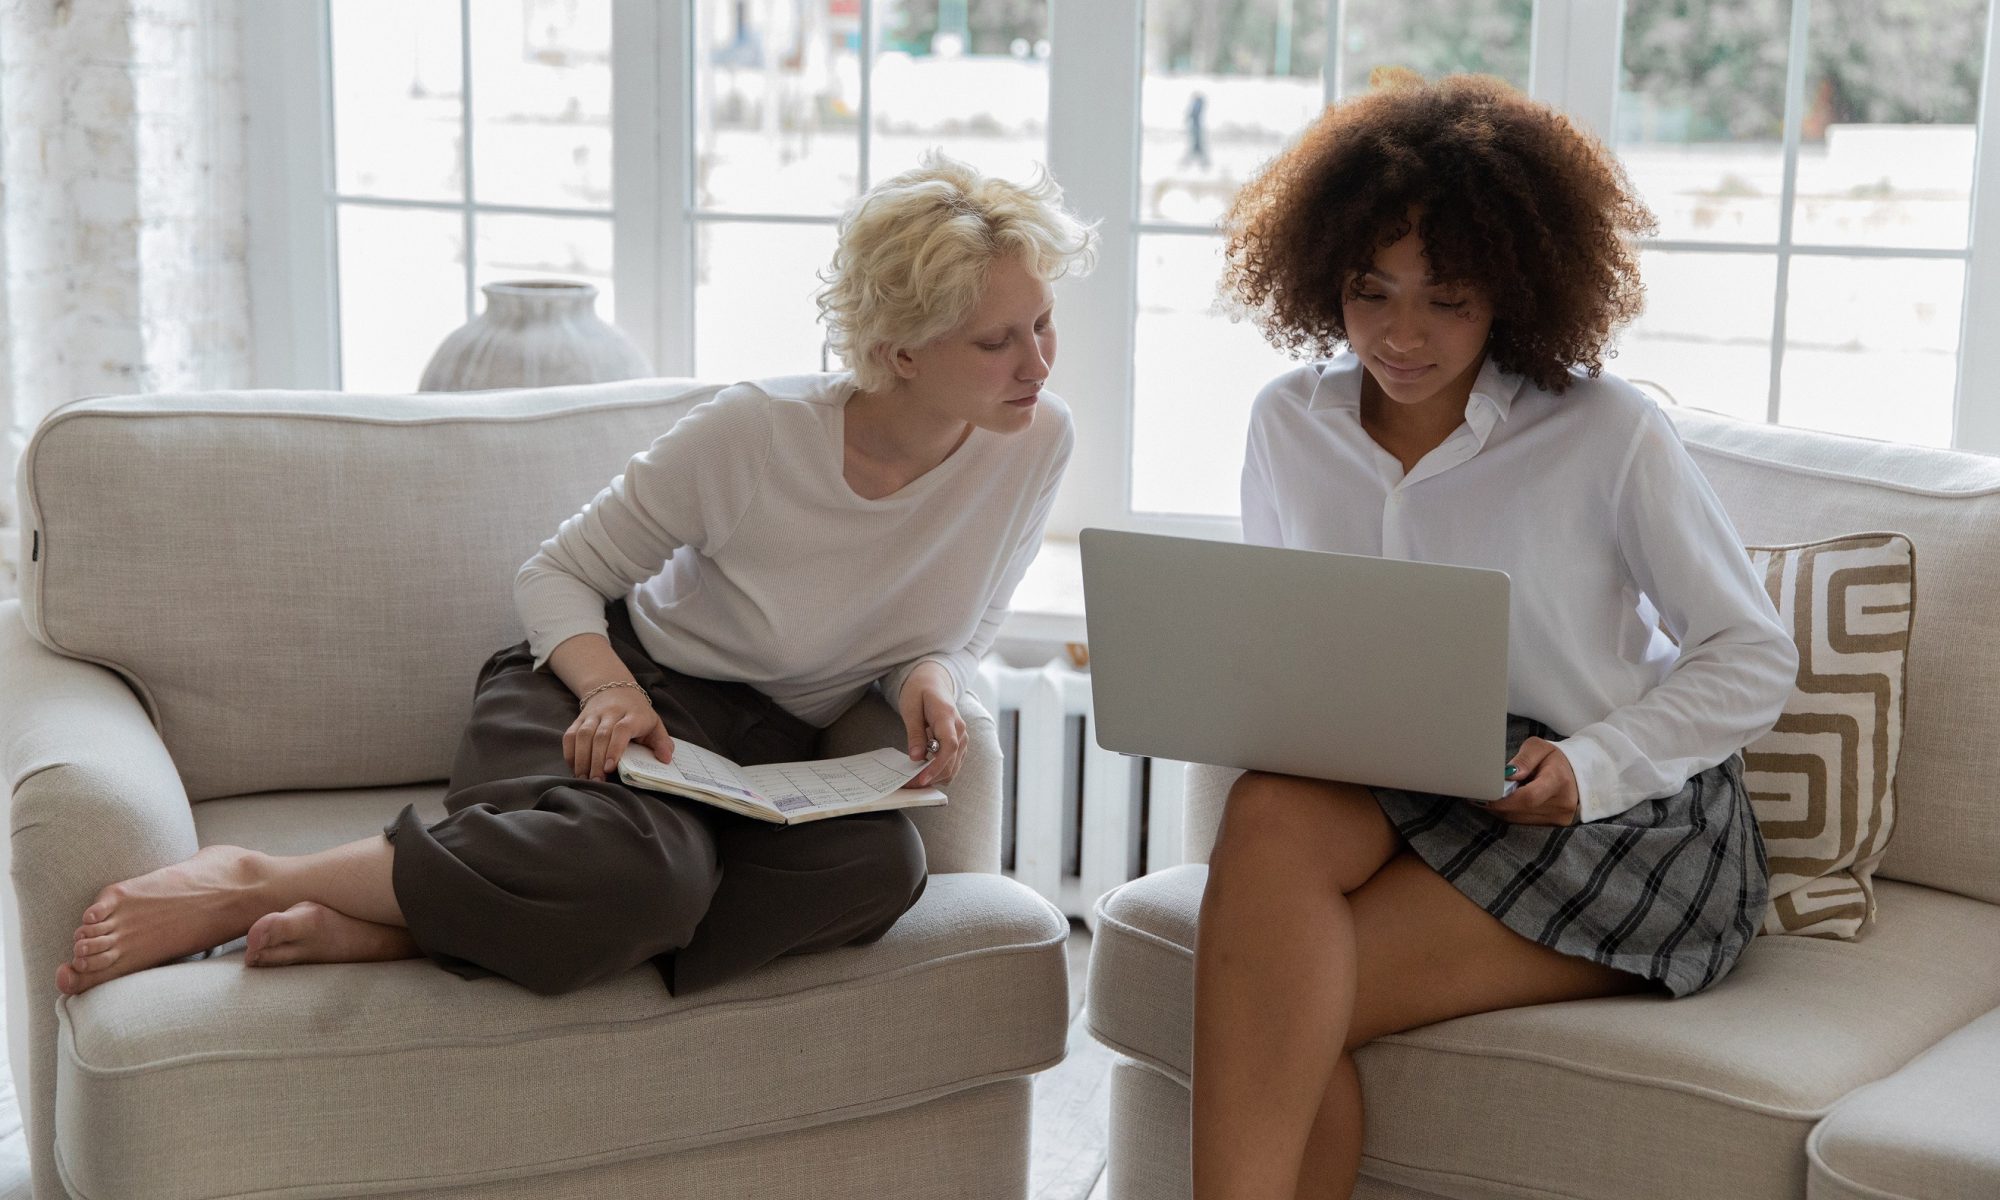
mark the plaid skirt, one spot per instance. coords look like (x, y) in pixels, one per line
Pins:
(1671, 890)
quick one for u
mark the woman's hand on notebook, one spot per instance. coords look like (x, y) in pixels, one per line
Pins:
(1544, 787)
(930, 718)
(608, 722)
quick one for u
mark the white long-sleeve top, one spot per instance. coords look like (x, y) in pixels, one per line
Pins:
(745, 556)
(1606, 527)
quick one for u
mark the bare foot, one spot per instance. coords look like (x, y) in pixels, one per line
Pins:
(313, 933)
(164, 915)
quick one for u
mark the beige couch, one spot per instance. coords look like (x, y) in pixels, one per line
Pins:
(255, 618)
(1868, 1068)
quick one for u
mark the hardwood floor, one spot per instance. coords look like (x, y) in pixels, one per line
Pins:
(1072, 1103)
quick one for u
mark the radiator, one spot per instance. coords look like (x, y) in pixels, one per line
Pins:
(1079, 819)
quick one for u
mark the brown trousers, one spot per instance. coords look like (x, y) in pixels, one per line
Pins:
(557, 882)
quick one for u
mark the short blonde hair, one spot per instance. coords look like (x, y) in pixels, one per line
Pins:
(914, 253)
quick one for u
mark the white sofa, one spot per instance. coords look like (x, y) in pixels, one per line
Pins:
(255, 617)
(1828, 1069)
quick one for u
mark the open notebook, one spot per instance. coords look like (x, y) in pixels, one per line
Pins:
(783, 793)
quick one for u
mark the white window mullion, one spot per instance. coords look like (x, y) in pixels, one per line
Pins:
(465, 154)
(866, 113)
(1795, 114)
(1330, 68)
(1573, 59)
(639, 81)
(292, 260)
(1977, 418)
(650, 138)
(1094, 153)
(674, 150)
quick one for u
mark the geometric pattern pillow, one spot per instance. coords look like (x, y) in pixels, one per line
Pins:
(1823, 781)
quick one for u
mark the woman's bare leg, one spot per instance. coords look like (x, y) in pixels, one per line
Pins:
(1332, 1159)
(218, 895)
(1424, 953)
(1274, 975)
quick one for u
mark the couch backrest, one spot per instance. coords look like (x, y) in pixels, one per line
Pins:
(1788, 485)
(301, 586)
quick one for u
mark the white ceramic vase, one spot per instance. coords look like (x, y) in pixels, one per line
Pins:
(532, 333)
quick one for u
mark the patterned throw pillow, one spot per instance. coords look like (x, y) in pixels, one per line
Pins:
(1823, 781)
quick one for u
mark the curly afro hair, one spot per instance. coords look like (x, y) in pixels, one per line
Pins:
(1510, 198)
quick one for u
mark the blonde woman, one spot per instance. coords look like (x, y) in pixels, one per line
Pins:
(784, 548)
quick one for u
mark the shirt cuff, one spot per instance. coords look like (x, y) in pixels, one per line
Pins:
(1596, 779)
(893, 682)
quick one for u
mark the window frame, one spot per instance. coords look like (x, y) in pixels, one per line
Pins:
(1095, 75)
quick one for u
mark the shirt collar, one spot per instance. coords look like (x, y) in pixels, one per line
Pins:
(1493, 391)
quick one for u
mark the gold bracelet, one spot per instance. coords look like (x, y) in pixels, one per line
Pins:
(616, 683)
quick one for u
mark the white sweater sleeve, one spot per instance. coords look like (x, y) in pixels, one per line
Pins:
(690, 488)
(1737, 664)
(962, 662)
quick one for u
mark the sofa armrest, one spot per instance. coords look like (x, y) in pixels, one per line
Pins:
(963, 834)
(1207, 787)
(1923, 1133)
(94, 799)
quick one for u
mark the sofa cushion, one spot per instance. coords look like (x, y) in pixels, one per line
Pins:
(1931, 1131)
(220, 550)
(1786, 486)
(1823, 780)
(308, 822)
(1471, 1107)
(453, 1081)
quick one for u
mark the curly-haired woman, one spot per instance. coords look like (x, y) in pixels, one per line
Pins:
(1456, 257)
(781, 550)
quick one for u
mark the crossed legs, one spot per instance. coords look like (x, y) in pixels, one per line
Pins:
(335, 906)
(551, 881)
(1319, 933)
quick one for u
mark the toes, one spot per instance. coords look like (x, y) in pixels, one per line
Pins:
(89, 946)
(105, 904)
(271, 932)
(272, 956)
(278, 939)
(259, 938)
(90, 963)
(68, 981)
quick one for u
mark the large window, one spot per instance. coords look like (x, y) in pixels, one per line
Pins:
(798, 107)
(1219, 95)
(471, 145)
(1812, 168)
(1822, 249)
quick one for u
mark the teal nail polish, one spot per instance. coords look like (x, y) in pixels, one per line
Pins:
(1510, 770)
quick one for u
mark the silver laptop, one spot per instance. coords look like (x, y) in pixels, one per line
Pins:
(1332, 666)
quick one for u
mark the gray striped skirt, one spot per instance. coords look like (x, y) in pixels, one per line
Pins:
(1671, 890)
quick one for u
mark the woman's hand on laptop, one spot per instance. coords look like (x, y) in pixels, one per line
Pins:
(1544, 787)
(930, 718)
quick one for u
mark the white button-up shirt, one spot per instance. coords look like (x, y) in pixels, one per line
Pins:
(1608, 531)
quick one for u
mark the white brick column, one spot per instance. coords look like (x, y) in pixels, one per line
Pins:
(122, 235)
(122, 209)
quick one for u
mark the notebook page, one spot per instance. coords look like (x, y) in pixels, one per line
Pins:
(833, 783)
(694, 765)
